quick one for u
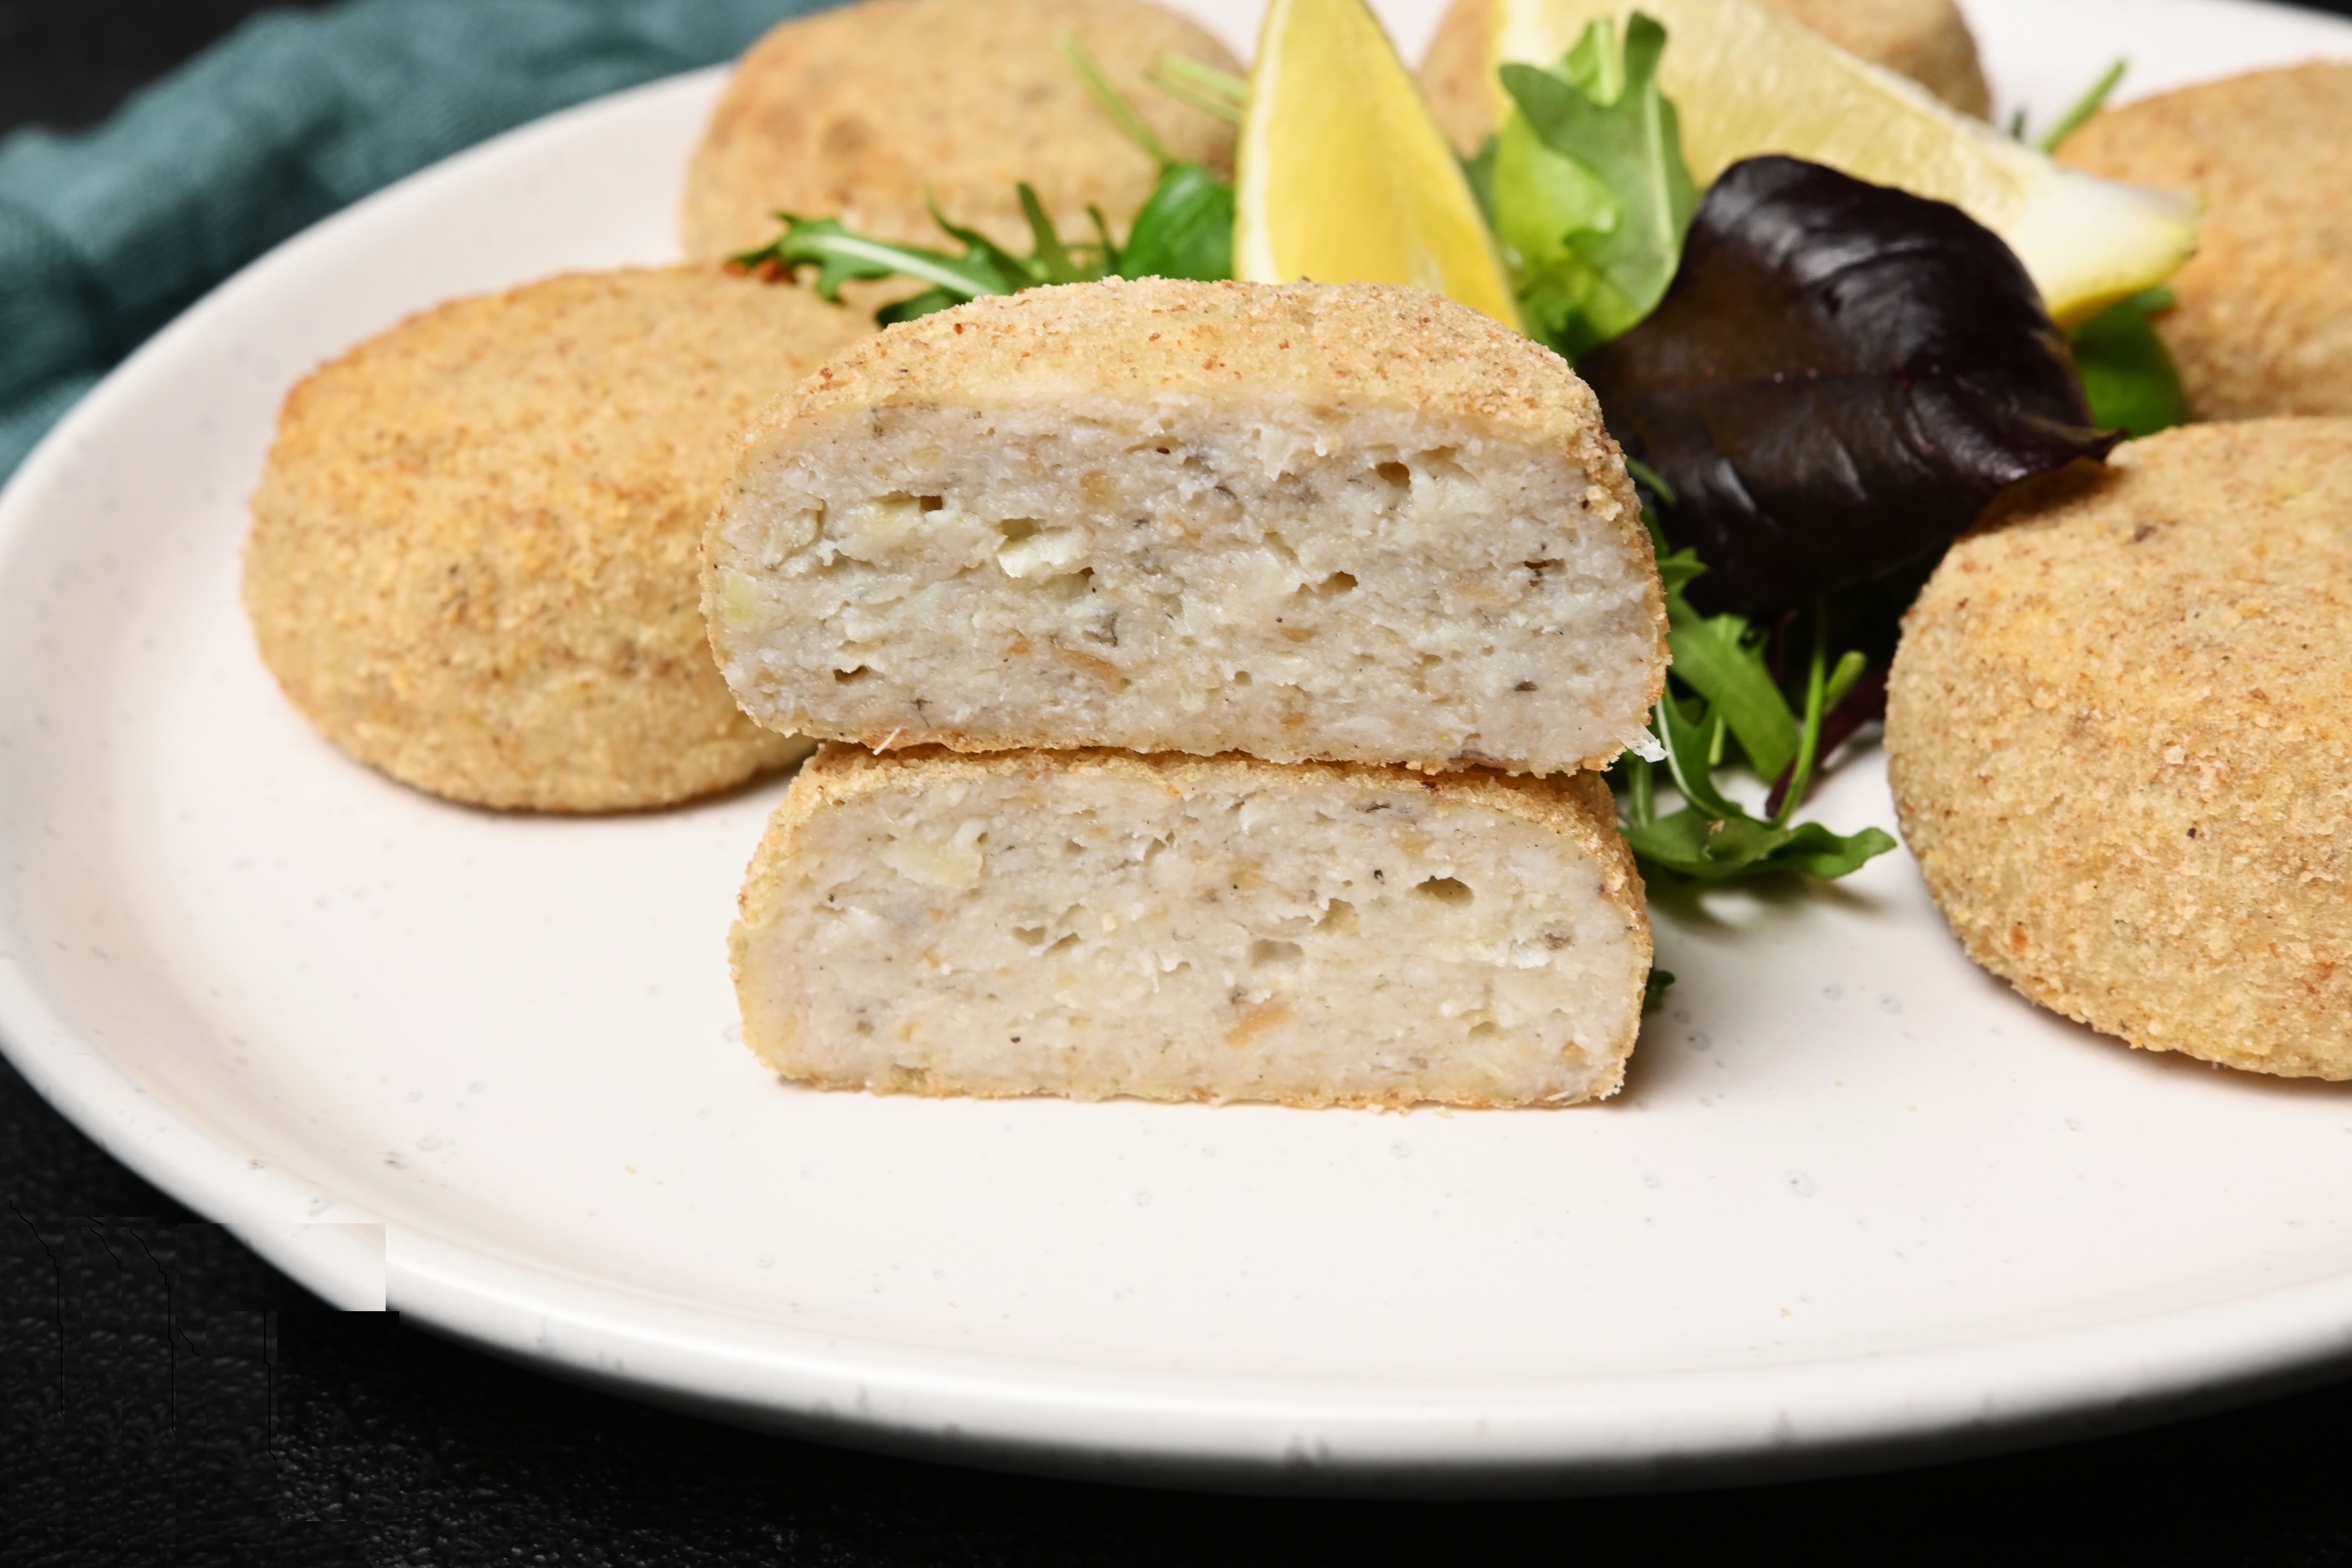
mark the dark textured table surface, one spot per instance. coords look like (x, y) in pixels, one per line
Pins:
(167, 1398)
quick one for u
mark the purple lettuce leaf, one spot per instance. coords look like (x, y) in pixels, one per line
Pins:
(1839, 379)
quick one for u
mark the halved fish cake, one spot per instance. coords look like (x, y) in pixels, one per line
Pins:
(1352, 524)
(1096, 923)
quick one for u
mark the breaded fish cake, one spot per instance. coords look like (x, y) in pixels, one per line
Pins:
(2120, 736)
(1094, 923)
(855, 112)
(1355, 522)
(2263, 322)
(473, 562)
(1927, 40)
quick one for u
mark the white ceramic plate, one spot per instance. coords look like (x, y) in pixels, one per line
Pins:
(1857, 1199)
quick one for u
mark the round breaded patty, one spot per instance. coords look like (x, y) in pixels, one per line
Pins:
(853, 113)
(474, 556)
(2262, 325)
(1927, 40)
(2120, 736)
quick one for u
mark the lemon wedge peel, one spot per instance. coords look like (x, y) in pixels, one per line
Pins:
(1747, 82)
(1341, 174)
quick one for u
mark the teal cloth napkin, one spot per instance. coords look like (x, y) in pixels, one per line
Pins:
(107, 235)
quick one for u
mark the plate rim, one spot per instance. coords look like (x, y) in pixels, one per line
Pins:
(1604, 1430)
(172, 1148)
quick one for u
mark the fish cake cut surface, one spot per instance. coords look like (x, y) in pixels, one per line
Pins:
(474, 553)
(1927, 40)
(1354, 523)
(2119, 729)
(2262, 325)
(853, 113)
(1096, 923)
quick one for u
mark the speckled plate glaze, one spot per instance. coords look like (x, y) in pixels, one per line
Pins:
(1858, 1202)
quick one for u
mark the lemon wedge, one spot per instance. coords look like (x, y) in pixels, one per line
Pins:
(1747, 82)
(1342, 176)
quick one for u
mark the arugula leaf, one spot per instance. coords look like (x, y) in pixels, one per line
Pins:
(2128, 376)
(2093, 99)
(1713, 837)
(1678, 567)
(1674, 567)
(841, 257)
(1590, 193)
(1654, 989)
(922, 304)
(1718, 655)
(1184, 228)
(2128, 373)
(1690, 746)
(985, 267)
(1203, 86)
(1715, 850)
(1114, 102)
(1720, 658)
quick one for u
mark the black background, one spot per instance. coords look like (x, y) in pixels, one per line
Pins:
(167, 1398)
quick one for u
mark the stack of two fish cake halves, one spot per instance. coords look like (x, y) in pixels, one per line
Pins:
(1225, 664)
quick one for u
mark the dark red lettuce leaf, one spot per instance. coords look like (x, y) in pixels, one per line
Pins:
(1839, 379)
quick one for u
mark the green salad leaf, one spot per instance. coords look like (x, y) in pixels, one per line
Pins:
(2128, 373)
(1587, 186)
(1184, 228)
(1204, 86)
(2093, 98)
(1715, 656)
(1734, 698)
(1654, 989)
(985, 267)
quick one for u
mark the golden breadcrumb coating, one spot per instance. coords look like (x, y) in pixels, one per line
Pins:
(473, 560)
(2120, 737)
(2264, 321)
(1362, 344)
(1092, 924)
(854, 113)
(1310, 522)
(1927, 40)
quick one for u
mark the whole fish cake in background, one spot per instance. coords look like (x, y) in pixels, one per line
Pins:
(2119, 731)
(474, 556)
(1927, 40)
(1349, 523)
(1096, 923)
(855, 113)
(2262, 323)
